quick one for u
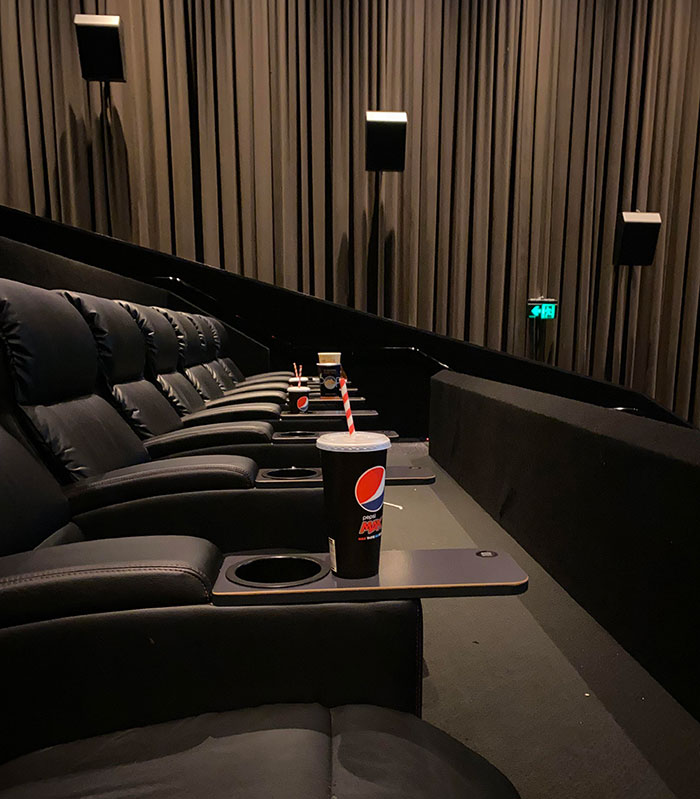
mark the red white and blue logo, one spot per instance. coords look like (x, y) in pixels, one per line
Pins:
(303, 403)
(369, 489)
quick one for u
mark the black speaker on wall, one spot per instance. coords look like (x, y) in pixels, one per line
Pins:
(636, 237)
(100, 47)
(385, 141)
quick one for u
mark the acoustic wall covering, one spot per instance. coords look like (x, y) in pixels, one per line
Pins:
(238, 140)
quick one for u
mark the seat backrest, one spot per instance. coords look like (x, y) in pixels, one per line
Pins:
(32, 505)
(121, 350)
(193, 353)
(225, 350)
(162, 358)
(53, 367)
(212, 344)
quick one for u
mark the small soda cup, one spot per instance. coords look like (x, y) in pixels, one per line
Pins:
(329, 374)
(354, 471)
(298, 399)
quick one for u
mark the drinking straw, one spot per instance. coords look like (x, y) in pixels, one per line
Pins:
(297, 373)
(346, 405)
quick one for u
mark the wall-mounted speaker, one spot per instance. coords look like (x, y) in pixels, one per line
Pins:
(385, 141)
(636, 238)
(100, 47)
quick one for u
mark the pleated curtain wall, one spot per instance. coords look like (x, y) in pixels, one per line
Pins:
(238, 140)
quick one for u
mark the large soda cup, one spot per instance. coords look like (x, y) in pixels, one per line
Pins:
(354, 471)
(298, 399)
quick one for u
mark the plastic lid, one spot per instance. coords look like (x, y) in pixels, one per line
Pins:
(359, 441)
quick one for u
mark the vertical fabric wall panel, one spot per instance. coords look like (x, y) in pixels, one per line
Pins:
(238, 140)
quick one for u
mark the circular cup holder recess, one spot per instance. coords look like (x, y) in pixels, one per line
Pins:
(297, 434)
(291, 473)
(277, 571)
(631, 410)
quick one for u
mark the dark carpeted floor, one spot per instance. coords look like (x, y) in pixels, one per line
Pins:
(533, 683)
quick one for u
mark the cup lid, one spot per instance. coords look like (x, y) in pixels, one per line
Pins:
(328, 364)
(359, 441)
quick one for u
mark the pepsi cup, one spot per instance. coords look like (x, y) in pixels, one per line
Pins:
(354, 471)
(298, 399)
(329, 373)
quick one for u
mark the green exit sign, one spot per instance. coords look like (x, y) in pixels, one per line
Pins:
(542, 309)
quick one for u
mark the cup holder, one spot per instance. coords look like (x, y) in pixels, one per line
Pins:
(290, 473)
(277, 571)
(306, 434)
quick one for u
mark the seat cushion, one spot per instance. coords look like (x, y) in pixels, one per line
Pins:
(291, 751)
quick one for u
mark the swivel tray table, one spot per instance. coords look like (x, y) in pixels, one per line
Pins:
(402, 574)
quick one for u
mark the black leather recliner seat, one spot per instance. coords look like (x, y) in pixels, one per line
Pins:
(197, 363)
(124, 678)
(224, 354)
(122, 355)
(162, 367)
(210, 343)
(53, 366)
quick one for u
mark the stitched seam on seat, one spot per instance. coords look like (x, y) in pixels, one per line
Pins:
(45, 575)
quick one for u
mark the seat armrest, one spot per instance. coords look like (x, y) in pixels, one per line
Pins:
(249, 395)
(208, 436)
(273, 385)
(169, 663)
(261, 411)
(106, 575)
(159, 478)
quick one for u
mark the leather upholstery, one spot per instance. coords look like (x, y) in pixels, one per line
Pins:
(46, 366)
(107, 575)
(224, 357)
(122, 356)
(210, 436)
(196, 348)
(162, 349)
(291, 751)
(31, 502)
(52, 360)
(212, 343)
(162, 478)
(231, 413)
(162, 360)
(189, 339)
(85, 437)
(169, 663)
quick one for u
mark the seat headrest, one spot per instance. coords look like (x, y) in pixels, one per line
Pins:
(162, 349)
(189, 338)
(51, 353)
(221, 334)
(120, 346)
(209, 337)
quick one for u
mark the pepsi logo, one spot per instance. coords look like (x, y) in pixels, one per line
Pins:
(302, 403)
(369, 489)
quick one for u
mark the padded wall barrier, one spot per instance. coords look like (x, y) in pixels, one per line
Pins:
(607, 502)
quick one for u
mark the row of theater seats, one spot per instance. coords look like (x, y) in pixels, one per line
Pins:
(77, 393)
(121, 676)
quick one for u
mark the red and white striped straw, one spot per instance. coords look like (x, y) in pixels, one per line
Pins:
(346, 405)
(297, 372)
